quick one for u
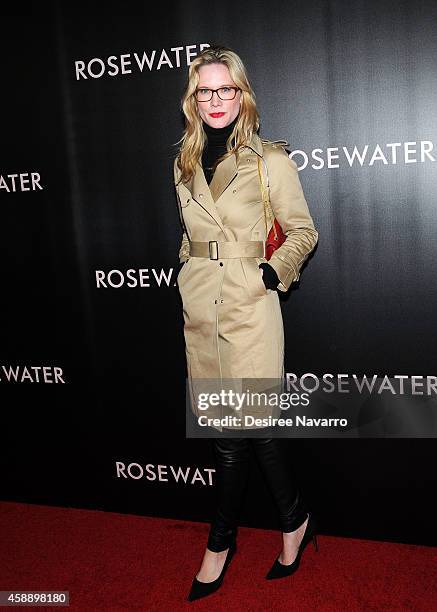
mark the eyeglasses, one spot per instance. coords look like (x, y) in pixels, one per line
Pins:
(224, 93)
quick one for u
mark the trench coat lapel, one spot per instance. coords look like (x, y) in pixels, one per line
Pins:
(208, 195)
(200, 192)
(224, 174)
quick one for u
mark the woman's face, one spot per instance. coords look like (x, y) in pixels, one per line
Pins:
(213, 76)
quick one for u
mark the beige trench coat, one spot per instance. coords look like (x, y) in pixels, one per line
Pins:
(233, 325)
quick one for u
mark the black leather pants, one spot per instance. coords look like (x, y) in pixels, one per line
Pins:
(232, 464)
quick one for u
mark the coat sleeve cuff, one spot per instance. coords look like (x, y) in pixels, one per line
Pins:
(285, 272)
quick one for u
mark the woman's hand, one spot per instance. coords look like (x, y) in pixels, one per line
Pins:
(270, 278)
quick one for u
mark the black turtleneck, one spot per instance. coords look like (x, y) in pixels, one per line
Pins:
(215, 146)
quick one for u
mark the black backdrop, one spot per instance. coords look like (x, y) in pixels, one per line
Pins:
(99, 137)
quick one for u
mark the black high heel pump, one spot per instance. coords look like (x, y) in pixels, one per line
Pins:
(201, 589)
(278, 569)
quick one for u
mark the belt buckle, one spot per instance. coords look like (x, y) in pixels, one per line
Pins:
(216, 249)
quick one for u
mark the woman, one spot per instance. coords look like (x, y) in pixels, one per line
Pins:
(233, 324)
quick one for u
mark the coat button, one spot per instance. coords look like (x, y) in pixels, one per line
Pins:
(215, 301)
(221, 301)
(200, 195)
(221, 263)
(234, 191)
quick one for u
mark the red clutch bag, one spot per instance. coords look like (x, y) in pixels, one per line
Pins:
(273, 241)
(276, 236)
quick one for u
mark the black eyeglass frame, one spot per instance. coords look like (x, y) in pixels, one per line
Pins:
(217, 90)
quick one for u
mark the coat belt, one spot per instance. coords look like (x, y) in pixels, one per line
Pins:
(226, 250)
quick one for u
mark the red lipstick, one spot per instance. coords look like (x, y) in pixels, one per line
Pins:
(215, 115)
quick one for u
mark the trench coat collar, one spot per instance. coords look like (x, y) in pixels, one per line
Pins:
(207, 195)
(256, 144)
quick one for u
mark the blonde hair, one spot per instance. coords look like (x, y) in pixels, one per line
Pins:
(194, 138)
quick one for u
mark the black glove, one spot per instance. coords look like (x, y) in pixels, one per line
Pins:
(270, 278)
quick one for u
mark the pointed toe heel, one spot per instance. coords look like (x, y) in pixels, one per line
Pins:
(202, 589)
(278, 569)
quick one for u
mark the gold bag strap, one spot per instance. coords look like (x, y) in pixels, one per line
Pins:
(265, 196)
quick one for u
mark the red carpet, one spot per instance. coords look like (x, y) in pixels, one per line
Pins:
(111, 561)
